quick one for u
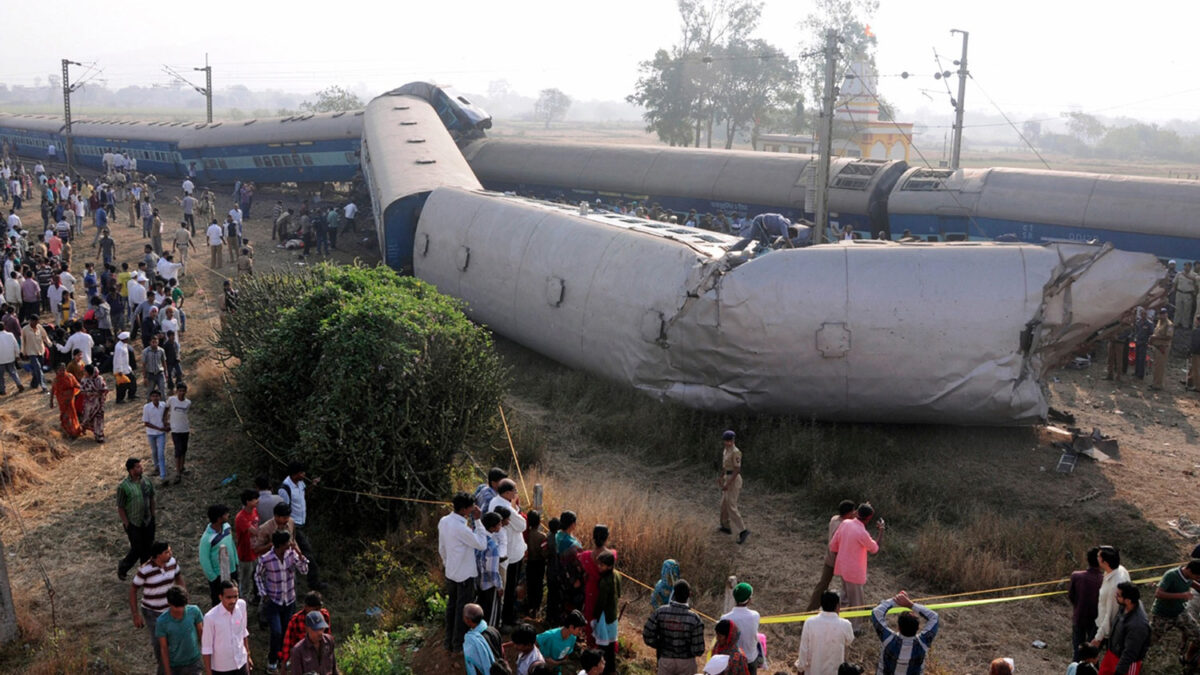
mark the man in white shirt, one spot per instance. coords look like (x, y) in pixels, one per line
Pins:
(294, 492)
(188, 186)
(125, 390)
(216, 239)
(10, 349)
(349, 212)
(167, 268)
(458, 539)
(512, 547)
(67, 279)
(14, 221)
(177, 416)
(747, 623)
(136, 290)
(225, 640)
(12, 290)
(824, 640)
(79, 340)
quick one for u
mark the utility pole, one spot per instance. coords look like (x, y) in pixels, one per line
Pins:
(958, 103)
(67, 89)
(206, 90)
(825, 140)
(207, 87)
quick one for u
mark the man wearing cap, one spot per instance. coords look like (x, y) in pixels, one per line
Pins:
(730, 482)
(123, 369)
(313, 654)
(746, 620)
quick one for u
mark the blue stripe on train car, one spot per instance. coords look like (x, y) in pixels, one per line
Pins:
(319, 161)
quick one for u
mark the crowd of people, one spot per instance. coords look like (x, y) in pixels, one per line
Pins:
(499, 565)
(248, 558)
(252, 562)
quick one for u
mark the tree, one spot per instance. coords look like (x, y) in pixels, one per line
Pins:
(677, 86)
(373, 380)
(668, 95)
(1083, 126)
(551, 105)
(848, 19)
(1032, 131)
(333, 99)
(752, 79)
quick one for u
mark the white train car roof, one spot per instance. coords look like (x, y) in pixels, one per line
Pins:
(44, 123)
(739, 176)
(118, 130)
(1156, 206)
(409, 150)
(305, 127)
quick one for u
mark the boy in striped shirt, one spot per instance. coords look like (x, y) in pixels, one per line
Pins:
(154, 577)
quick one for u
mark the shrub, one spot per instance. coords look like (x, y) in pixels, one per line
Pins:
(378, 653)
(371, 379)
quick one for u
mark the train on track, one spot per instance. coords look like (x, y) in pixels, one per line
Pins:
(870, 197)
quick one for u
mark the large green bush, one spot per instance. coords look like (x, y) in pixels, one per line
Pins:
(373, 380)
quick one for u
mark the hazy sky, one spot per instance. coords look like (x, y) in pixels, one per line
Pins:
(1033, 57)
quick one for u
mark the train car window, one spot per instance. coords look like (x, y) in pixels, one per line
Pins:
(350, 158)
(927, 180)
(308, 160)
(258, 161)
(956, 236)
(287, 160)
(222, 163)
(277, 160)
(932, 238)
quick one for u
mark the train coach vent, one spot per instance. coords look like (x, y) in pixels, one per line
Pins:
(426, 161)
(415, 140)
(400, 107)
(407, 123)
(337, 115)
(249, 122)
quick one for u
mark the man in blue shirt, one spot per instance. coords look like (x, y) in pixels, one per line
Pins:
(904, 652)
(477, 653)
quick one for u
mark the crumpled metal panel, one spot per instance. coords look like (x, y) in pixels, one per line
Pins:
(860, 331)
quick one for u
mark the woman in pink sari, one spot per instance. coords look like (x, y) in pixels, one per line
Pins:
(591, 575)
(65, 388)
(92, 391)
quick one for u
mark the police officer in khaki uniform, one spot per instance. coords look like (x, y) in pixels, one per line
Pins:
(1185, 296)
(1160, 341)
(730, 482)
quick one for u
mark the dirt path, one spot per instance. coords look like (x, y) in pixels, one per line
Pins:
(70, 521)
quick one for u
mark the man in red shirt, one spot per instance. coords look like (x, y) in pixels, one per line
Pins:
(313, 602)
(851, 544)
(245, 531)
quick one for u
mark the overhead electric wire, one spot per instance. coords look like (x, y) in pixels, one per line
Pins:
(1010, 122)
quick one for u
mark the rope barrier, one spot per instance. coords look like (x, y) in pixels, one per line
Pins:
(625, 575)
(512, 447)
(862, 610)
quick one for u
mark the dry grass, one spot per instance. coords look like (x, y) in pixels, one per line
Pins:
(28, 446)
(643, 530)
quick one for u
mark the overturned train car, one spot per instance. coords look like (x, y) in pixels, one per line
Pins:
(858, 331)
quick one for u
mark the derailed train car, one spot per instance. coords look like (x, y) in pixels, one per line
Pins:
(857, 331)
(1153, 215)
(736, 182)
(406, 153)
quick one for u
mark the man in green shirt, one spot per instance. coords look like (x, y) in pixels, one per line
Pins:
(135, 507)
(1170, 605)
(178, 631)
(218, 537)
